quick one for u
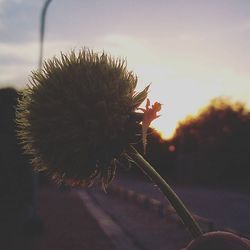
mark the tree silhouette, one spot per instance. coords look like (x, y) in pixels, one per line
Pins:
(157, 153)
(214, 146)
(15, 178)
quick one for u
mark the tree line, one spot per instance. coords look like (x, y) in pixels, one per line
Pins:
(211, 148)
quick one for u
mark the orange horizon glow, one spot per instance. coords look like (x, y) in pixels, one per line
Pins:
(183, 83)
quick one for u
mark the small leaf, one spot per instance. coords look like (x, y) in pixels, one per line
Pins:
(140, 97)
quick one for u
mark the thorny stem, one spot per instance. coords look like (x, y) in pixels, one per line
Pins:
(175, 201)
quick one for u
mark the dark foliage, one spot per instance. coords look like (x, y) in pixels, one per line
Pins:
(15, 172)
(159, 155)
(213, 147)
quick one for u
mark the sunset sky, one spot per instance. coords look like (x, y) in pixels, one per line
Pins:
(190, 50)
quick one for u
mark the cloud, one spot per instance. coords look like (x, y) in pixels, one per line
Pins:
(1, 26)
(1, 5)
(18, 52)
(122, 44)
(4, 3)
(18, 60)
(19, 20)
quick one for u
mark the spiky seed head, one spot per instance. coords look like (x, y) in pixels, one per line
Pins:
(77, 116)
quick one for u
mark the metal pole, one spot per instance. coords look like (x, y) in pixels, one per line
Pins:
(42, 31)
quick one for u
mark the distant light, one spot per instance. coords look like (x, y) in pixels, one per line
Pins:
(171, 148)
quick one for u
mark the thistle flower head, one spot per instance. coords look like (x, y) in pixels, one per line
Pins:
(77, 116)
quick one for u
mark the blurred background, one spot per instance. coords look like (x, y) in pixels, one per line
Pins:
(195, 54)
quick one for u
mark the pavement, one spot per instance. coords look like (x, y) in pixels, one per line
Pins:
(91, 220)
(228, 210)
(67, 225)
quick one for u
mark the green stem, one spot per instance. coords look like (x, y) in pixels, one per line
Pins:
(175, 201)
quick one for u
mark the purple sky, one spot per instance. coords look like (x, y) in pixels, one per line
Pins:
(191, 51)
